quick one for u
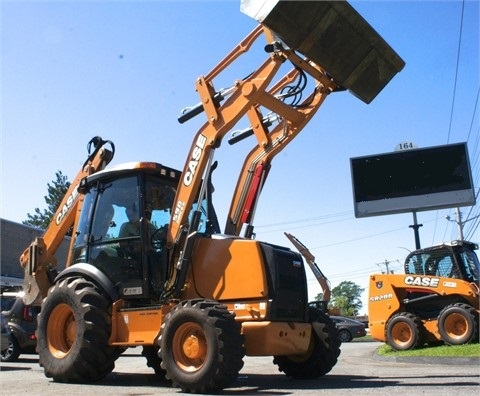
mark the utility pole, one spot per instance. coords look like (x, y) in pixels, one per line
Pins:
(387, 267)
(459, 222)
(460, 225)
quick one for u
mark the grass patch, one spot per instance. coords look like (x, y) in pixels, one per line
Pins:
(468, 350)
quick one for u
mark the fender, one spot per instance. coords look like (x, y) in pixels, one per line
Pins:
(91, 273)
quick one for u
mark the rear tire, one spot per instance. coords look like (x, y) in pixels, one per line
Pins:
(458, 324)
(201, 346)
(322, 354)
(405, 331)
(74, 326)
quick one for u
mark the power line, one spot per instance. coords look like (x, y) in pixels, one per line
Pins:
(307, 220)
(473, 213)
(456, 72)
(473, 116)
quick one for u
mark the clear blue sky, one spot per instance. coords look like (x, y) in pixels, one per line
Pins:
(124, 70)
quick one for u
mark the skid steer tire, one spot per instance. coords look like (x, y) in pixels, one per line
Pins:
(74, 326)
(322, 354)
(201, 346)
(405, 331)
(458, 324)
(154, 361)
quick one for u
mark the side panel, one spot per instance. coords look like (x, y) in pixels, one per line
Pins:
(243, 272)
(229, 269)
(383, 302)
(140, 326)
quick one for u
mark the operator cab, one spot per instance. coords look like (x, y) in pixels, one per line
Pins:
(122, 228)
(453, 260)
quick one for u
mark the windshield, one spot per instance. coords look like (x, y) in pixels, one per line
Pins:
(434, 263)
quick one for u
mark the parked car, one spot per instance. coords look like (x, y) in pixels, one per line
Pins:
(5, 339)
(349, 328)
(22, 322)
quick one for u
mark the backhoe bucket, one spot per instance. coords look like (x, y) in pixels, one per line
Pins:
(333, 35)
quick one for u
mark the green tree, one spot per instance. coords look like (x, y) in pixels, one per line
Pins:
(55, 193)
(347, 297)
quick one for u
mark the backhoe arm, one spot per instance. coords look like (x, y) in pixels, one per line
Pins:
(39, 259)
(310, 258)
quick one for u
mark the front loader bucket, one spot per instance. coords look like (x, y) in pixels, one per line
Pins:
(333, 35)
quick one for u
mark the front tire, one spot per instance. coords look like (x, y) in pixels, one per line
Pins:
(458, 324)
(322, 354)
(74, 326)
(201, 346)
(405, 331)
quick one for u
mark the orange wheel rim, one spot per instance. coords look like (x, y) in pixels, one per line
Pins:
(61, 330)
(401, 333)
(456, 325)
(189, 347)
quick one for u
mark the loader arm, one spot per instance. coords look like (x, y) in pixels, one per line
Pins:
(352, 55)
(39, 258)
(246, 97)
(222, 117)
(349, 56)
(292, 119)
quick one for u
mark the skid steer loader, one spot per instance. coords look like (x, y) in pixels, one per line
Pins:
(435, 300)
(149, 265)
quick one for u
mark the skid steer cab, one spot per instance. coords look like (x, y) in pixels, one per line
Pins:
(435, 300)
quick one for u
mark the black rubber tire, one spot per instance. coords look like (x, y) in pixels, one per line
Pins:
(201, 346)
(458, 324)
(345, 335)
(13, 351)
(154, 361)
(405, 331)
(74, 326)
(322, 354)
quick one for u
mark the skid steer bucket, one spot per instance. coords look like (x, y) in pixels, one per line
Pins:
(333, 35)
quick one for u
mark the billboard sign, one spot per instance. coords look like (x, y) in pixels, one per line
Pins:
(412, 180)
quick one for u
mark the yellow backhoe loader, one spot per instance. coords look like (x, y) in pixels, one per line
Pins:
(149, 265)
